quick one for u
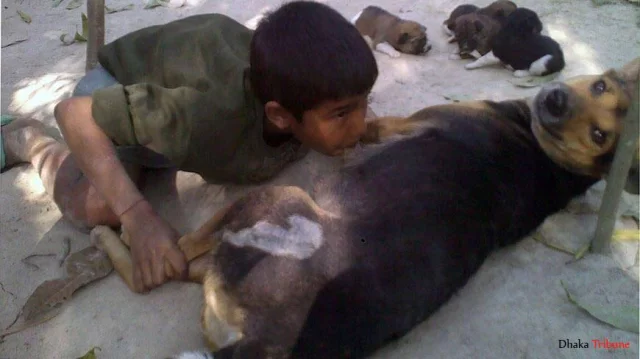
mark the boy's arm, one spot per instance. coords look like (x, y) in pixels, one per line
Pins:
(153, 240)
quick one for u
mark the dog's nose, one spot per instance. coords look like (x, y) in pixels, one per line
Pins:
(556, 102)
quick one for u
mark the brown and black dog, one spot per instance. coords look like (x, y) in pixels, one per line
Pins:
(382, 244)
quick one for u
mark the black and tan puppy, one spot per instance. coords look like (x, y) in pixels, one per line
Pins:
(389, 34)
(520, 45)
(381, 245)
(497, 10)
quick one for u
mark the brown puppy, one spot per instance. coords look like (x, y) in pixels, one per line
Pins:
(390, 34)
(385, 242)
(474, 33)
(497, 10)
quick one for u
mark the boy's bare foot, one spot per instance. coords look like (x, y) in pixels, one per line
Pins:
(18, 139)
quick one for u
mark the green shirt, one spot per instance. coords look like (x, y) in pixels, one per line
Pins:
(183, 92)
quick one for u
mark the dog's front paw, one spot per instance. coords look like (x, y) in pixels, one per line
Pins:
(394, 54)
(471, 66)
(521, 73)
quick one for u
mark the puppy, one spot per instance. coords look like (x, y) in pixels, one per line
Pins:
(390, 34)
(449, 25)
(474, 33)
(520, 45)
(497, 10)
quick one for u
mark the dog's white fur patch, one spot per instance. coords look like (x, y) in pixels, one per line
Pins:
(355, 18)
(488, 59)
(300, 241)
(446, 30)
(194, 355)
(475, 54)
(539, 66)
(385, 48)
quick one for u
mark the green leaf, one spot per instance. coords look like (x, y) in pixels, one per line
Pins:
(56, 3)
(74, 4)
(150, 4)
(91, 354)
(534, 81)
(118, 9)
(25, 17)
(621, 317)
(85, 26)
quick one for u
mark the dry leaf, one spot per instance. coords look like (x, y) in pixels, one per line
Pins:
(83, 267)
(77, 37)
(91, 354)
(118, 9)
(24, 16)
(74, 4)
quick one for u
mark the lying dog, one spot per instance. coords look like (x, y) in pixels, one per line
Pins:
(497, 10)
(385, 242)
(520, 45)
(390, 34)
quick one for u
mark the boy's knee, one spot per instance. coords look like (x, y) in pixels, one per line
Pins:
(71, 108)
(88, 211)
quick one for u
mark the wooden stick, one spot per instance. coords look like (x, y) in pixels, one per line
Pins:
(625, 150)
(95, 40)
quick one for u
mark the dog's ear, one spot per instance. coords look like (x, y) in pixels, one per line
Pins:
(478, 25)
(630, 74)
(404, 37)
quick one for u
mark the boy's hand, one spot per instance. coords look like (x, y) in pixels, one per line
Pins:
(153, 242)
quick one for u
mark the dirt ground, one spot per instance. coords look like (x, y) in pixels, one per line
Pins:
(514, 307)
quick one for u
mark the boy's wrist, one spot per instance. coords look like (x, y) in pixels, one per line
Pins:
(134, 211)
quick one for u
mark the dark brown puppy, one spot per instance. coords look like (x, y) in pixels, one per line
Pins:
(497, 10)
(474, 33)
(390, 34)
(385, 242)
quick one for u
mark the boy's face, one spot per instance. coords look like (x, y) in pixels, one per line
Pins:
(333, 126)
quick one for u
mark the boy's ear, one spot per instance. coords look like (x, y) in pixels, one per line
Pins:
(279, 116)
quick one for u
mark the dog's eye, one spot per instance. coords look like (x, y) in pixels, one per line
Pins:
(599, 87)
(598, 136)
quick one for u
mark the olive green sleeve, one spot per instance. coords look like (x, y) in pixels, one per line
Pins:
(149, 115)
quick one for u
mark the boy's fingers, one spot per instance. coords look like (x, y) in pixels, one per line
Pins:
(137, 280)
(147, 278)
(158, 271)
(178, 263)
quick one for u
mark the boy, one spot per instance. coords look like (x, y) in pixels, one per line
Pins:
(203, 94)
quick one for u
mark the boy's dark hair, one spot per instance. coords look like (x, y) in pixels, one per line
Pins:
(305, 53)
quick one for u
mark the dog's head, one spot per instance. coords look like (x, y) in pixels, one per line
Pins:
(498, 10)
(474, 32)
(410, 37)
(523, 22)
(578, 123)
(450, 23)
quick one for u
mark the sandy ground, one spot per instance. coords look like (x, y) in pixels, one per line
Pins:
(513, 308)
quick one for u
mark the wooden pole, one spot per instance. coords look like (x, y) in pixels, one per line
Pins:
(625, 150)
(95, 40)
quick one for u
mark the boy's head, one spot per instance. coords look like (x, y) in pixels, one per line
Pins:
(312, 70)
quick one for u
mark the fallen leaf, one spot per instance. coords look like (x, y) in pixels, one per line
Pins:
(24, 16)
(91, 354)
(118, 9)
(150, 4)
(82, 267)
(623, 235)
(621, 317)
(540, 238)
(15, 42)
(56, 3)
(534, 81)
(74, 4)
(77, 37)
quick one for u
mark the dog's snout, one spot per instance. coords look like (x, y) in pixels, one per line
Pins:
(556, 102)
